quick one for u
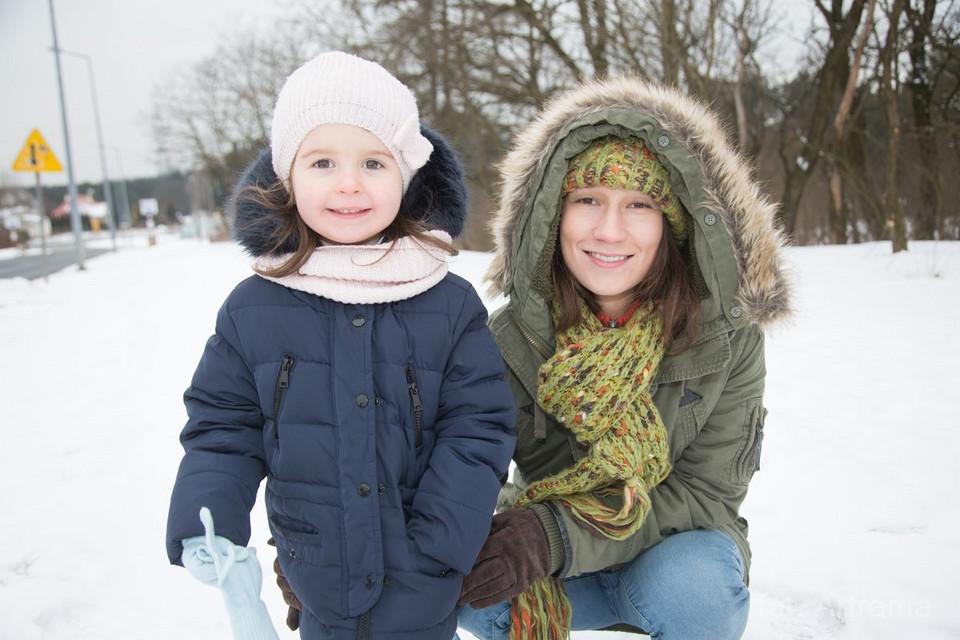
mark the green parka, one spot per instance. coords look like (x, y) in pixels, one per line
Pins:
(710, 396)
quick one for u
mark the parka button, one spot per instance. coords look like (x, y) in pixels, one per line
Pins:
(663, 140)
(362, 400)
(363, 490)
(358, 321)
(736, 312)
(369, 582)
(710, 219)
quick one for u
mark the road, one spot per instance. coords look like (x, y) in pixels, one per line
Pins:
(31, 266)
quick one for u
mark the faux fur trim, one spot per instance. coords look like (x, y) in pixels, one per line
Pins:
(436, 196)
(763, 289)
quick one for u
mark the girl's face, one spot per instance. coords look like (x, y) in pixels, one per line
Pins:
(346, 184)
(608, 240)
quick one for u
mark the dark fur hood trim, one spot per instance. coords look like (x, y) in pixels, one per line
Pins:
(437, 196)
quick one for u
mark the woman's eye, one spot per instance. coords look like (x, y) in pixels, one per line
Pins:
(640, 204)
(586, 200)
(372, 164)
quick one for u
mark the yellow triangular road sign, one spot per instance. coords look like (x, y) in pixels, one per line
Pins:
(36, 155)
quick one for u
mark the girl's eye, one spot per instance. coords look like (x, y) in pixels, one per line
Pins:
(323, 164)
(640, 204)
(372, 164)
(586, 200)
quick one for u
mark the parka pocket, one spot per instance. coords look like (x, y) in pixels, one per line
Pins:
(311, 570)
(747, 461)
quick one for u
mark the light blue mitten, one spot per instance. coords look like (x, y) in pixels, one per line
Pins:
(214, 560)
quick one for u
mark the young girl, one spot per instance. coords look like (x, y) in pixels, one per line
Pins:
(354, 371)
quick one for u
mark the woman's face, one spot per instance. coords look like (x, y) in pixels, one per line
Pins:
(608, 240)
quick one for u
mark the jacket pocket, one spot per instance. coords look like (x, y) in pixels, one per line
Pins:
(748, 456)
(280, 390)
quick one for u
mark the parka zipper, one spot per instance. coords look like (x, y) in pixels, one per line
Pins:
(417, 405)
(283, 383)
(539, 417)
(759, 447)
(529, 338)
(363, 626)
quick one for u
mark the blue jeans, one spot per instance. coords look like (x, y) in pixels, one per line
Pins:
(689, 586)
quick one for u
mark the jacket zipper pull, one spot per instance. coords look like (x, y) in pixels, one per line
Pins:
(417, 405)
(283, 383)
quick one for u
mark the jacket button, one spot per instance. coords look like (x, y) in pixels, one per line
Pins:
(364, 490)
(369, 582)
(381, 489)
(362, 400)
(358, 321)
(710, 219)
(663, 140)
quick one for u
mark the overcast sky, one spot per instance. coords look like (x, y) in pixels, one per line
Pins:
(132, 46)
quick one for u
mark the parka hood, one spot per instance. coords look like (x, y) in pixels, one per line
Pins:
(736, 245)
(436, 196)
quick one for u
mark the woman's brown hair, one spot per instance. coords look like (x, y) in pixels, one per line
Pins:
(292, 236)
(669, 282)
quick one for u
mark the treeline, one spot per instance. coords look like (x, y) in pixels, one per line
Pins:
(859, 141)
(175, 192)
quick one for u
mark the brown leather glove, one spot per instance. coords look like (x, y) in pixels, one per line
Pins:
(514, 556)
(293, 603)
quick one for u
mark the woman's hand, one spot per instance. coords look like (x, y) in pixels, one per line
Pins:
(293, 602)
(514, 556)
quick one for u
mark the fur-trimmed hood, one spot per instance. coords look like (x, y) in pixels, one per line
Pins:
(736, 245)
(437, 196)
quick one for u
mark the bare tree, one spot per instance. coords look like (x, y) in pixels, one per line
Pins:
(748, 23)
(214, 117)
(890, 96)
(838, 210)
(828, 83)
(928, 219)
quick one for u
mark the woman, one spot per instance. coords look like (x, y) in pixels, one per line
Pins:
(640, 263)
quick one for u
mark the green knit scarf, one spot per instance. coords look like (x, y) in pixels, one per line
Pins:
(597, 384)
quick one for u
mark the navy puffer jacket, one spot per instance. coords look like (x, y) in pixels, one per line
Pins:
(384, 431)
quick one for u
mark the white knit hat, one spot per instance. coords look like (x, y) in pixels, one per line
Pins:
(339, 88)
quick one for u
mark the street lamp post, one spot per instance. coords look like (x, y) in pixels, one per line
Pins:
(103, 158)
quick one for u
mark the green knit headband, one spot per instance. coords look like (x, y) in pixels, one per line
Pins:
(626, 163)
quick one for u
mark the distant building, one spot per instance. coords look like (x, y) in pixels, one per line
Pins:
(95, 211)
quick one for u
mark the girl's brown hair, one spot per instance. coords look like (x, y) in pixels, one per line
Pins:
(669, 282)
(291, 235)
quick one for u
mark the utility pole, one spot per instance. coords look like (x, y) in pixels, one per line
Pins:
(107, 191)
(72, 185)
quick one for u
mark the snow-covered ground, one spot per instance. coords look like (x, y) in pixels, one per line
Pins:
(855, 514)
